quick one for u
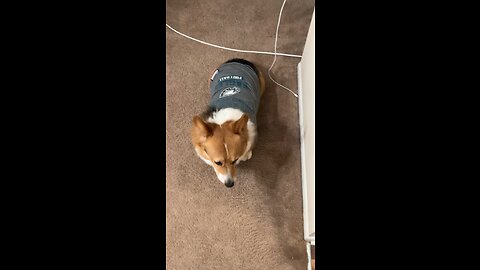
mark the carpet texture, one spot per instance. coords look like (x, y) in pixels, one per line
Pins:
(257, 224)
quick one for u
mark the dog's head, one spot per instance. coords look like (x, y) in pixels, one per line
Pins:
(221, 146)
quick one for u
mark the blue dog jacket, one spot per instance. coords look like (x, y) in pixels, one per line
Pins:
(235, 85)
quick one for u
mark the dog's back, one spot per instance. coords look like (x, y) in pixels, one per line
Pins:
(237, 84)
(257, 71)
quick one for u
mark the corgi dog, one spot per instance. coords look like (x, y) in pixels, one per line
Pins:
(224, 135)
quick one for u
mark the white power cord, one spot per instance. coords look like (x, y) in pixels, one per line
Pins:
(230, 49)
(275, 58)
(245, 51)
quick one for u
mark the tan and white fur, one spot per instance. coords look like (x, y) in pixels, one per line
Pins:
(224, 138)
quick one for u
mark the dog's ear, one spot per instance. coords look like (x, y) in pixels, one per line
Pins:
(240, 125)
(202, 129)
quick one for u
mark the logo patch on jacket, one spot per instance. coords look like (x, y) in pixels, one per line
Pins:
(229, 91)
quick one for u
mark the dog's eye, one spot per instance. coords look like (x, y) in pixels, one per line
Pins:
(219, 163)
(233, 162)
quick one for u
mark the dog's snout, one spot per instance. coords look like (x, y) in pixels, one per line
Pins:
(229, 183)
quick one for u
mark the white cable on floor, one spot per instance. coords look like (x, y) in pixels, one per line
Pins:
(275, 58)
(245, 51)
(230, 49)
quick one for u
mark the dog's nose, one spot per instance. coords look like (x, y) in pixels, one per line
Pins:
(229, 183)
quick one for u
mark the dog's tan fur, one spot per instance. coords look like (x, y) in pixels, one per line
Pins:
(209, 140)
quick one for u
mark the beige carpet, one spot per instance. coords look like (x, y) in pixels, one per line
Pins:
(257, 224)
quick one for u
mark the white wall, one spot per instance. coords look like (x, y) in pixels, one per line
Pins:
(306, 78)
